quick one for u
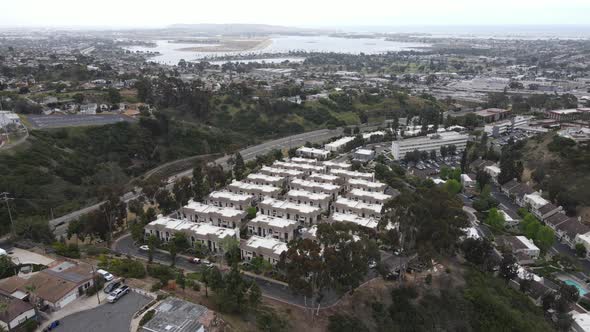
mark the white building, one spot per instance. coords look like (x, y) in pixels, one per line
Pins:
(373, 186)
(339, 144)
(356, 219)
(308, 161)
(323, 178)
(429, 143)
(256, 190)
(312, 153)
(270, 249)
(363, 155)
(268, 226)
(345, 175)
(299, 212)
(336, 165)
(370, 197)
(350, 206)
(208, 235)
(315, 187)
(9, 118)
(229, 199)
(493, 171)
(581, 322)
(265, 179)
(220, 216)
(305, 168)
(299, 196)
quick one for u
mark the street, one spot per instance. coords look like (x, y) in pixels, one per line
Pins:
(111, 317)
(273, 290)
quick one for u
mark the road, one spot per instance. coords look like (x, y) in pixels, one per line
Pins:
(273, 290)
(60, 225)
(111, 317)
(60, 121)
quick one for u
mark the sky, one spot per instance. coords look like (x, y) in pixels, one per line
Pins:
(298, 13)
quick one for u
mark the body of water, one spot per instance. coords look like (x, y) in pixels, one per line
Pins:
(581, 289)
(170, 54)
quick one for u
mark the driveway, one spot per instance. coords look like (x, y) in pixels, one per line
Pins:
(107, 317)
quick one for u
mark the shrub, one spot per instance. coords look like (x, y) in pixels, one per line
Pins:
(66, 250)
(147, 317)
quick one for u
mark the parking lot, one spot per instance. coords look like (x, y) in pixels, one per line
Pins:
(428, 167)
(111, 317)
(60, 121)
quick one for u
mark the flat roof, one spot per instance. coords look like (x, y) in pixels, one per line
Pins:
(358, 204)
(353, 174)
(363, 193)
(325, 177)
(251, 186)
(278, 170)
(209, 209)
(528, 243)
(365, 183)
(304, 160)
(277, 246)
(230, 196)
(273, 221)
(198, 228)
(340, 142)
(308, 195)
(353, 218)
(264, 177)
(278, 204)
(313, 184)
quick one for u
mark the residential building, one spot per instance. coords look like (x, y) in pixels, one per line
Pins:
(15, 312)
(9, 118)
(329, 164)
(313, 153)
(344, 175)
(584, 239)
(429, 143)
(270, 249)
(365, 210)
(300, 196)
(581, 322)
(523, 248)
(540, 207)
(323, 178)
(315, 187)
(279, 228)
(308, 161)
(354, 218)
(208, 235)
(547, 211)
(370, 197)
(567, 231)
(305, 168)
(275, 171)
(175, 315)
(256, 190)
(339, 144)
(265, 179)
(493, 171)
(373, 186)
(363, 155)
(511, 219)
(468, 180)
(219, 216)
(302, 213)
(229, 199)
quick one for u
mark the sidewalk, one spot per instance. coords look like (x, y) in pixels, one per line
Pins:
(80, 304)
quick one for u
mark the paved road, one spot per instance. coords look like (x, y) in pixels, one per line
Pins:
(60, 121)
(273, 290)
(107, 317)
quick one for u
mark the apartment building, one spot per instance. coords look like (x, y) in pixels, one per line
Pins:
(344, 175)
(268, 226)
(299, 196)
(354, 218)
(370, 197)
(265, 179)
(305, 168)
(259, 191)
(373, 186)
(299, 212)
(229, 199)
(215, 215)
(208, 235)
(350, 206)
(312, 153)
(336, 165)
(270, 249)
(429, 143)
(308, 161)
(339, 144)
(323, 178)
(315, 187)
(276, 171)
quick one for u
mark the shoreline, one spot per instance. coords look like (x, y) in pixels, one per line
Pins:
(231, 46)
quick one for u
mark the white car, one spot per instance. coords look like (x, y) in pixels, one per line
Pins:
(117, 294)
(105, 274)
(144, 247)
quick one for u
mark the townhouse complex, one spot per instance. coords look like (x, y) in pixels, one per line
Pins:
(290, 197)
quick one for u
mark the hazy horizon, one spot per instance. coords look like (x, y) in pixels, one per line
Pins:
(305, 13)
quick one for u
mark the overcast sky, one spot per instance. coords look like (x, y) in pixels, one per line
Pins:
(318, 13)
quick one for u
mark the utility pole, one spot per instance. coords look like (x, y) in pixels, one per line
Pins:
(94, 281)
(5, 198)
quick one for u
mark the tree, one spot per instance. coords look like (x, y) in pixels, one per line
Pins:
(477, 251)
(173, 251)
(114, 96)
(495, 219)
(152, 242)
(165, 201)
(508, 267)
(483, 179)
(182, 191)
(544, 238)
(231, 249)
(453, 186)
(580, 250)
(239, 166)
(304, 267)
(180, 280)
(254, 296)
(7, 267)
(199, 185)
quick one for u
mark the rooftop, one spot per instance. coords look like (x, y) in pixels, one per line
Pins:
(273, 221)
(176, 315)
(353, 218)
(208, 209)
(269, 243)
(307, 194)
(283, 205)
(251, 186)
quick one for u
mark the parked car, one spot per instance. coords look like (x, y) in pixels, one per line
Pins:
(206, 263)
(372, 264)
(52, 326)
(105, 274)
(110, 287)
(144, 247)
(118, 293)
(194, 260)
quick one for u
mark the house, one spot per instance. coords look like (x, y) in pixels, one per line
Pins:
(567, 231)
(275, 227)
(88, 109)
(300, 160)
(506, 187)
(207, 235)
(584, 239)
(493, 171)
(480, 164)
(219, 216)
(275, 171)
(329, 164)
(270, 249)
(519, 192)
(57, 286)
(581, 322)
(368, 196)
(305, 168)
(373, 186)
(356, 219)
(15, 312)
(315, 187)
(363, 155)
(175, 315)
(547, 210)
(260, 191)
(345, 175)
(524, 249)
(323, 178)
(511, 219)
(468, 180)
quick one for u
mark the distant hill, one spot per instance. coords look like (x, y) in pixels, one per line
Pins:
(241, 29)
